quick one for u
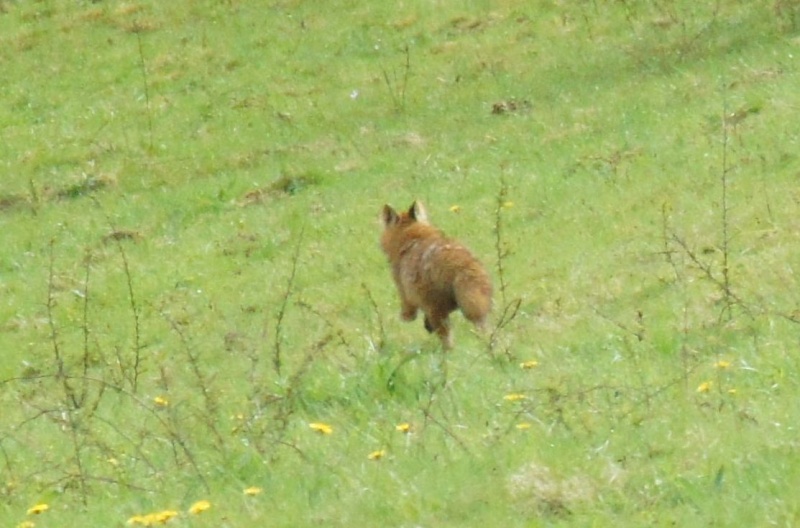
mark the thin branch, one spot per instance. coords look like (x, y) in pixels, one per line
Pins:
(133, 377)
(500, 251)
(276, 355)
(378, 316)
(726, 279)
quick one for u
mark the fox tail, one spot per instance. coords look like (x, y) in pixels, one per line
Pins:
(473, 294)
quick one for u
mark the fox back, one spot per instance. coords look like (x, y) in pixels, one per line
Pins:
(433, 273)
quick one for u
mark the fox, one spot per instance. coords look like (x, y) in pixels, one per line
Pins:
(433, 273)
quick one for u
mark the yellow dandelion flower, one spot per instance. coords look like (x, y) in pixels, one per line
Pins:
(731, 391)
(722, 364)
(529, 364)
(252, 491)
(514, 397)
(403, 427)
(38, 508)
(321, 428)
(26, 524)
(704, 387)
(199, 507)
(377, 455)
(455, 208)
(161, 401)
(139, 519)
(522, 426)
(162, 516)
(508, 205)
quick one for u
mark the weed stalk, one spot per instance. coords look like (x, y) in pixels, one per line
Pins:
(276, 351)
(510, 309)
(398, 93)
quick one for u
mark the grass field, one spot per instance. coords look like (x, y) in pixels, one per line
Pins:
(198, 327)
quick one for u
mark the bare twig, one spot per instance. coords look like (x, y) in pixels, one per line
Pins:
(726, 279)
(510, 309)
(378, 315)
(398, 93)
(276, 354)
(500, 252)
(61, 372)
(133, 377)
(211, 416)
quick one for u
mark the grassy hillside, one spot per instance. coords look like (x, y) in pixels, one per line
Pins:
(193, 302)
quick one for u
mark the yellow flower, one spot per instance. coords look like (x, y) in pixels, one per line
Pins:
(529, 364)
(37, 509)
(321, 428)
(252, 491)
(455, 208)
(522, 426)
(151, 519)
(377, 455)
(161, 517)
(403, 427)
(26, 524)
(704, 387)
(722, 364)
(732, 391)
(508, 205)
(199, 507)
(514, 397)
(160, 401)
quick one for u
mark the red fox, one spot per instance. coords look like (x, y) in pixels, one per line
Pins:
(433, 273)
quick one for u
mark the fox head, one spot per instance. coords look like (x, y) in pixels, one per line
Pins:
(415, 213)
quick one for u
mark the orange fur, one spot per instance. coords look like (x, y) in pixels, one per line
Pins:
(433, 273)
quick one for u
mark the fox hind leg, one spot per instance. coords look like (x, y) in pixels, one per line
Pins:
(440, 324)
(408, 312)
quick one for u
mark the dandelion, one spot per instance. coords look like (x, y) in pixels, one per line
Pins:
(161, 401)
(522, 426)
(403, 427)
(38, 508)
(515, 396)
(152, 519)
(377, 455)
(199, 507)
(252, 491)
(508, 205)
(529, 364)
(722, 364)
(732, 392)
(704, 387)
(455, 208)
(161, 517)
(26, 524)
(321, 428)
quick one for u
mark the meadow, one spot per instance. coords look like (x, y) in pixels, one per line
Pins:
(198, 327)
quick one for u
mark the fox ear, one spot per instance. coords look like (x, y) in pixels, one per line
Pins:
(388, 216)
(417, 212)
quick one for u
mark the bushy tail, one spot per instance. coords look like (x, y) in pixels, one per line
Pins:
(473, 293)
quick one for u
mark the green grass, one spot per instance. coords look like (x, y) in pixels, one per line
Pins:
(190, 271)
